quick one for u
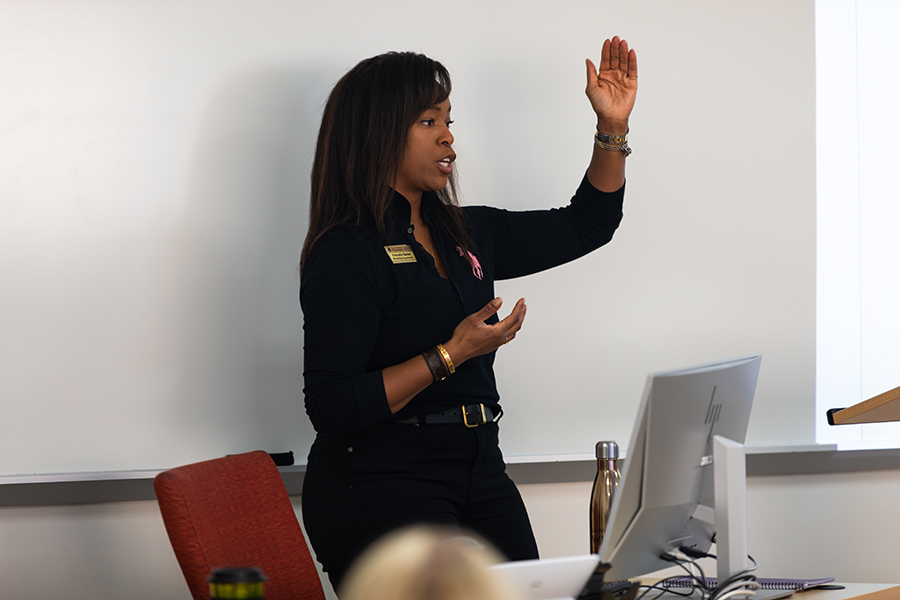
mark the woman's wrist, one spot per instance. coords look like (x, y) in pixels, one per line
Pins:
(445, 356)
(436, 364)
(612, 127)
(440, 361)
(454, 352)
(612, 143)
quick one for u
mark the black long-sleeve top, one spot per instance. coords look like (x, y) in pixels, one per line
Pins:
(363, 312)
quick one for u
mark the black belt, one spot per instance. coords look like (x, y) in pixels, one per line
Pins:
(470, 415)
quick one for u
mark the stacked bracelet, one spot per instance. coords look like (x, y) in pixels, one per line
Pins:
(448, 362)
(612, 143)
(437, 364)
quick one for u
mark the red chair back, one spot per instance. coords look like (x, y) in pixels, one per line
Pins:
(231, 512)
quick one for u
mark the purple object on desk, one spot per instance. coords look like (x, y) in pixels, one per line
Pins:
(766, 583)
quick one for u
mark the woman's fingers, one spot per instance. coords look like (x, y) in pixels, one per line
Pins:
(513, 321)
(473, 337)
(510, 326)
(615, 48)
(591, 74)
(624, 56)
(490, 309)
(632, 64)
(604, 56)
(616, 56)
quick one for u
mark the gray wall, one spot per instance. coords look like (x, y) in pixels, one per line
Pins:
(813, 525)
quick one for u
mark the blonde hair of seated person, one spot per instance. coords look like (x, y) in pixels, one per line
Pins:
(426, 563)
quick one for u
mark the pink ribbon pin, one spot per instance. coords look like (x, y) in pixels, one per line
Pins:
(476, 266)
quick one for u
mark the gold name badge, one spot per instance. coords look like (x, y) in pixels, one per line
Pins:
(400, 254)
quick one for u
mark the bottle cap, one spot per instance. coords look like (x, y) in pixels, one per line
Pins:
(607, 450)
(237, 582)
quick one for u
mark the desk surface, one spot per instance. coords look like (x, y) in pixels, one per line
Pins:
(857, 591)
(851, 591)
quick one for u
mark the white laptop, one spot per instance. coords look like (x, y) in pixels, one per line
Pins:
(550, 578)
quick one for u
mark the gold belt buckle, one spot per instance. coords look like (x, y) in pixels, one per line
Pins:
(466, 421)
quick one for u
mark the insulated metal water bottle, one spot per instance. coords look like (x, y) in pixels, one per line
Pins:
(605, 484)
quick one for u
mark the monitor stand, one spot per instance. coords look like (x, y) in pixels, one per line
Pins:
(730, 480)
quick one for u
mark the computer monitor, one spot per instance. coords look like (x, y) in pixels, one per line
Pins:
(668, 470)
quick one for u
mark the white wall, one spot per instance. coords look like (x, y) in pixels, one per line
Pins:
(154, 159)
(732, 72)
(830, 525)
(825, 525)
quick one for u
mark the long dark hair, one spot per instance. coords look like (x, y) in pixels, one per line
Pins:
(361, 144)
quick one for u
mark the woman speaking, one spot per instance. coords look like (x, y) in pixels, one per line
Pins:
(400, 319)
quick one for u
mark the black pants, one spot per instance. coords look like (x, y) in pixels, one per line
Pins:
(362, 485)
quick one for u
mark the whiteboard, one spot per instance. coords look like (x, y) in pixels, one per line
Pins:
(154, 173)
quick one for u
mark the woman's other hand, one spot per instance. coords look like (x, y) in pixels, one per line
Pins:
(473, 337)
(612, 88)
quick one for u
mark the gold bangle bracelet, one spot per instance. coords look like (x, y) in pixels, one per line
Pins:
(446, 356)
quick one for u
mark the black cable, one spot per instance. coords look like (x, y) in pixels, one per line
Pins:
(737, 581)
(694, 553)
(745, 574)
(695, 583)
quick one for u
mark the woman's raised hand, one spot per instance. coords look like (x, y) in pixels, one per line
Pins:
(473, 337)
(613, 87)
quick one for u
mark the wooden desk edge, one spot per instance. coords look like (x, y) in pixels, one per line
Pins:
(856, 591)
(886, 407)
